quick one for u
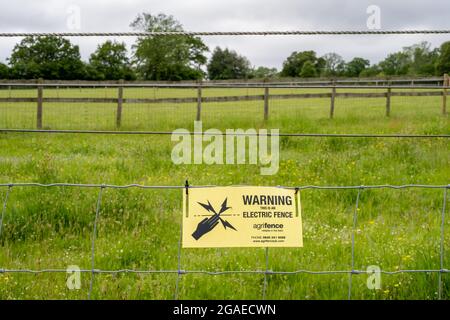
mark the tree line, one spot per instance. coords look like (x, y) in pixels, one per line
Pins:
(174, 58)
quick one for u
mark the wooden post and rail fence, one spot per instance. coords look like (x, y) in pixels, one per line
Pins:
(200, 99)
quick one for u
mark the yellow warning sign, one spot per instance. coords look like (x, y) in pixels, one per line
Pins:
(241, 217)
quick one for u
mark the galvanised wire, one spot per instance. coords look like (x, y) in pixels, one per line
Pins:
(218, 273)
(127, 186)
(265, 272)
(222, 33)
(305, 135)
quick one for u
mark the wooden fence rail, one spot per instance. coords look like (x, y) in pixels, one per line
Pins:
(344, 95)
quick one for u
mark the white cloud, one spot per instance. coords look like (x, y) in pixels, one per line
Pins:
(208, 15)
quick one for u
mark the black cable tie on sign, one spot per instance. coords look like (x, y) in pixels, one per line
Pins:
(186, 185)
(296, 190)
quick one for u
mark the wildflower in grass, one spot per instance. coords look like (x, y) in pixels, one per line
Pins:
(407, 258)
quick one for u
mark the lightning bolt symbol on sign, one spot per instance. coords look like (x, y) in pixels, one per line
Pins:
(223, 208)
(208, 224)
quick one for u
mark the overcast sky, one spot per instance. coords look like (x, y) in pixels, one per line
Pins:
(242, 15)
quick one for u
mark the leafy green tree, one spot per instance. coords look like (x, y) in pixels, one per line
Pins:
(396, 64)
(48, 57)
(4, 71)
(227, 64)
(308, 70)
(423, 59)
(355, 67)
(371, 71)
(293, 65)
(334, 65)
(264, 73)
(320, 65)
(110, 62)
(443, 61)
(167, 58)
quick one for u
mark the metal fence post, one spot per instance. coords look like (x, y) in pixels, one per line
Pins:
(444, 94)
(2, 217)
(388, 100)
(355, 219)
(119, 104)
(441, 246)
(40, 95)
(199, 102)
(94, 235)
(180, 245)
(333, 98)
(266, 103)
(265, 273)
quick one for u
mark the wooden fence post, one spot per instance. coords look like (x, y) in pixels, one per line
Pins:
(444, 94)
(119, 104)
(40, 96)
(266, 103)
(388, 100)
(333, 98)
(199, 102)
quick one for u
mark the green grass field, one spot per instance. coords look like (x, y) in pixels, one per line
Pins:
(139, 229)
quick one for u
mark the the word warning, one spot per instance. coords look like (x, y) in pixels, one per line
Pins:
(241, 217)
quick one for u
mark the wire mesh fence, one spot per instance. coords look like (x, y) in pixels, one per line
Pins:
(165, 107)
(359, 202)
